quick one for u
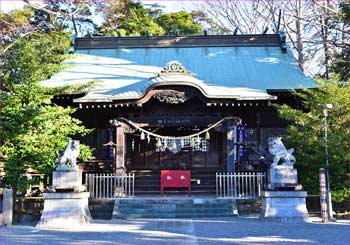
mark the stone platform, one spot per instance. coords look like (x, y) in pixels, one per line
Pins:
(289, 206)
(63, 210)
(174, 207)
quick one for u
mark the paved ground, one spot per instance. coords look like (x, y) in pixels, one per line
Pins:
(183, 231)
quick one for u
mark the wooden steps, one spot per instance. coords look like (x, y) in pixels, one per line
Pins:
(147, 182)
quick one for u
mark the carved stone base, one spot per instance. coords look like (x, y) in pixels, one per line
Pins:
(62, 210)
(282, 177)
(287, 206)
(67, 179)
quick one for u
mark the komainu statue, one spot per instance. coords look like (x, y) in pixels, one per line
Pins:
(280, 153)
(70, 154)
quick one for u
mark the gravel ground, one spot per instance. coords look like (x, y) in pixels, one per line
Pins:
(229, 230)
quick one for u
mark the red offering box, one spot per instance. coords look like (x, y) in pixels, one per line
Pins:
(175, 178)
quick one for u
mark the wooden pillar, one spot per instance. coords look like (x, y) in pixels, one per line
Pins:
(120, 149)
(230, 146)
(258, 128)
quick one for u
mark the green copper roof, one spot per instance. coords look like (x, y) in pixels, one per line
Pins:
(126, 72)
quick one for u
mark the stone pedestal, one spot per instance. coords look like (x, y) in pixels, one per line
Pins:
(63, 210)
(287, 206)
(67, 179)
(67, 205)
(7, 207)
(282, 177)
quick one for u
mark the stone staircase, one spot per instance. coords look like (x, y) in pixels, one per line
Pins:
(173, 207)
(147, 202)
(147, 182)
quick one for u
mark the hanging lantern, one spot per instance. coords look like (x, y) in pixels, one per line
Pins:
(207, 135)
(159, 143)
(193, 143)
(142, 136)
(174, 145)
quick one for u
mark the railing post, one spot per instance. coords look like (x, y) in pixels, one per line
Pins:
(254, 184)
(133, 184)
(93, 185)
(231, 184)
(259, 185)
(216, 184)
(129, 185)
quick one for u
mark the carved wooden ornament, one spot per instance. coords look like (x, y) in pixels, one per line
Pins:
(170, 96)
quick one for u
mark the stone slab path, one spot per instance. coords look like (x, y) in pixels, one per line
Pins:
(230, 230)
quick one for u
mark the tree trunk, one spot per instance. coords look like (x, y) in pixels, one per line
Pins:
(325, 36)
(299, 35)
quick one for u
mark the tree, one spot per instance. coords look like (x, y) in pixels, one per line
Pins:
(34, 129)
(306, 134)
(15, 24)
(248, 17)
(129, 18)
(181, 21)
(208, 23)
(313, 28)
(341, 64)
(62, 15)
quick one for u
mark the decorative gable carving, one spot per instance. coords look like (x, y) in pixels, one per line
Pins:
(170, 96)
(174, 68)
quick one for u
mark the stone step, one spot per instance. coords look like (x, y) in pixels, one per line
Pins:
(174, 192)
(157, 186)
(101, 209)
(170, 215)
(167, 206)
(178, 207)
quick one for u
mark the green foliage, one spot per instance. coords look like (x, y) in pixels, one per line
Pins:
(133, 19)
(341, 196)
(25, 65)
(15, 24)
(212, 26)
(34, 129)
(18, 17)
(130, 18)
(183, 21)
(306, 134)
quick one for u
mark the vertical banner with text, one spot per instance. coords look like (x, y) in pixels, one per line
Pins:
(241, 141)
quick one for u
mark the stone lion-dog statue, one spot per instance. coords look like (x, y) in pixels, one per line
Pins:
(279, 152)
(70, 154)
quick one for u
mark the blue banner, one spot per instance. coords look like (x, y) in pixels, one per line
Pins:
(241, 141)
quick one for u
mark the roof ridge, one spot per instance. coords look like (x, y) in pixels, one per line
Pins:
(99, 42)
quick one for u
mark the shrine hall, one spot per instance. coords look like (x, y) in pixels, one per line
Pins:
(200, 103)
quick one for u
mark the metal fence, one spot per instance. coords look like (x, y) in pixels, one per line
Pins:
(110, 186)
(239, 185)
